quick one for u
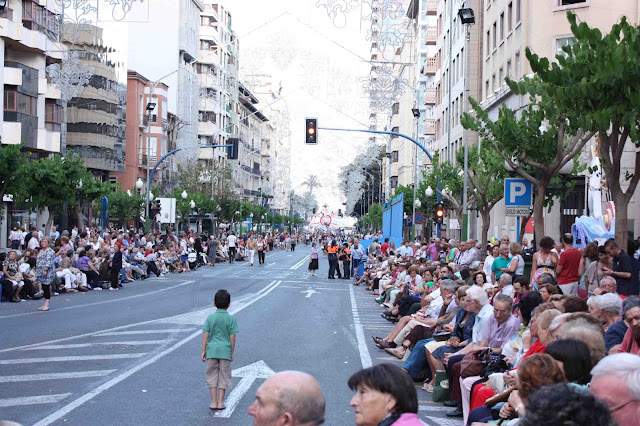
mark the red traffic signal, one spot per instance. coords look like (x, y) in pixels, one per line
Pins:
(439, 214)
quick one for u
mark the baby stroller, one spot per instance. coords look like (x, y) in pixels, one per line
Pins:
(192, 258)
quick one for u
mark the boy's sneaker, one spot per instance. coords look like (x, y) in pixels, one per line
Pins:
(98, 288)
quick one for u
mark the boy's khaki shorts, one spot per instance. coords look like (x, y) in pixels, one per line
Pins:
(218, 374)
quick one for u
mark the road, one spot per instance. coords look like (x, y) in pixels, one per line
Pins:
(133, 356)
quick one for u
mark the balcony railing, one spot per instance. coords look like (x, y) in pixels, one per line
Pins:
(430, 66)
(431, 35)
(431, 7)
(429, 126)
(430, 96)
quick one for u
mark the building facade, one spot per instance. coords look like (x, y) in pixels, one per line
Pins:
(509, 27)
(147, 133)
(32, 106)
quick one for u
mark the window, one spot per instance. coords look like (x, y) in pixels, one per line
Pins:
(509, 68)
(570, 2)
(500, 77)
(53, 112)
(495, 35)
(486, 88)
(518, 3)
(395, 108)
(394, 156)
(502, 26)
(517, 60)
(493, 82)
(510, 16)
(394, 182)
(10, 100)
(27, 104)
(488, 42)
(561, 42)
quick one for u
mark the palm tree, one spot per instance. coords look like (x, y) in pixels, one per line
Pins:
(311, 182)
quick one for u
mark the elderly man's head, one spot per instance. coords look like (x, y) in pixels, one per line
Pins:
(477, 298)
(504, 250)
(616, 381)
(505, 280)
(288, 398)
(502, 307)
(608, 285)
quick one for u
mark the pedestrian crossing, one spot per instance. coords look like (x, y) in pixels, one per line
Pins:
(64, 369)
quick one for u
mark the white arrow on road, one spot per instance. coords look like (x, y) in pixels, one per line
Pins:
(310, 292)
(249, 374)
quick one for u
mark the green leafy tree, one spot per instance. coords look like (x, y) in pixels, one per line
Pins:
(596, 85)
(449, 178)
(536, 145)
(125, 207)
(12, 163)
(91, 191)
(52, 181)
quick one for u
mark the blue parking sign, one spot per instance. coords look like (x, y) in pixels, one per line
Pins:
(518, 193)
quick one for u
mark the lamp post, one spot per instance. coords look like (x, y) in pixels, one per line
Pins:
(260, 229)
(238, 214)
(429, 193)
(251, 216)
(416, 115)
(467, 18)
(192, 206)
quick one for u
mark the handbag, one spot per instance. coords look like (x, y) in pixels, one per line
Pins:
(441, 387)
(472, 364)
(496, 364)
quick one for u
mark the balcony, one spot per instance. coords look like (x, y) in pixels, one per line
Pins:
(431, 7)
(209, 57)
(208, 128)
(430, 66)
(431, 35)
(430, 96)
(429, 126)
(209, 33)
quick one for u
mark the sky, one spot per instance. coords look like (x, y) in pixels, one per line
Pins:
(319, 67)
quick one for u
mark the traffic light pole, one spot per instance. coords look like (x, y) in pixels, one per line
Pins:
(384, 132)
(146, 222)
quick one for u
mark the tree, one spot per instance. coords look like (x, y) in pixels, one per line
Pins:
(12, 162)
(449, 178)
(312, 182)
(125, 207)
(596, 83)
(536, 145)
(52, 181)
(92, 189)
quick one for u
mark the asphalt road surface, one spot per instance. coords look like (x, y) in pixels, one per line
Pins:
(132, 357)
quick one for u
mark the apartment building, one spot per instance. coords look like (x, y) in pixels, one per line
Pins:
(164, 49)
(32, 106)
(147, 133)
(215, 79)
(509, 27)
(247, 170)
(96, 119)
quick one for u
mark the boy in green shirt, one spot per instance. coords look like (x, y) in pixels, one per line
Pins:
(218, 343)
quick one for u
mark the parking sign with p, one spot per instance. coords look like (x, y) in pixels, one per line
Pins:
(518, 196)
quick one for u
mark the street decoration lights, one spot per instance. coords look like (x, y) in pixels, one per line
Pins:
(428, 192)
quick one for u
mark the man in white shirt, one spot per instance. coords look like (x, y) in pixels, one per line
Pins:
(405, 250)
(505, 285)
(231, 242)
(34, 242)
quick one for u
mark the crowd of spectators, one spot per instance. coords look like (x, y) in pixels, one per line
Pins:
(502, 344)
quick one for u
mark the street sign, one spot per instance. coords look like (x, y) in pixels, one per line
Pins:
(454, 224)
(518, 197)
(418, 218)
(167, 210)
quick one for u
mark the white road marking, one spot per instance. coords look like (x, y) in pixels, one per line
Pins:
(98, 344)
(365, 356)
(32, 400)
(309, 293)
(55, 376)
(125, 374)
(249, 374)
(130, 332)
(300, 263)
(121, 299)
(106, 357)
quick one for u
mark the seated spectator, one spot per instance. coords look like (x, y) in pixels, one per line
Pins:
(608, 309)
(608, 284)
(574, 304)
(575, 358)
(385, 395)
(547, 289)
(631, 341)
(616, 381)
(561, 404)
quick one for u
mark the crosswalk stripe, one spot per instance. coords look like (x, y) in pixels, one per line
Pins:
(105, 357)
(124, 333)
(98, 344)
(33, 400)
(55, 376)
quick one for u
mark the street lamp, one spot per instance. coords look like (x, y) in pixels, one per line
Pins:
(417, 204)
(428, 192)
(467, 18)
(192, 206)
(139, 184)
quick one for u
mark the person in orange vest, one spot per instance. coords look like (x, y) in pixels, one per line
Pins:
(332, 254)
(346, 261)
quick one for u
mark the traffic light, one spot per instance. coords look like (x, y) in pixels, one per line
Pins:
(438, 215)
(311, 136)
(232, 151)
